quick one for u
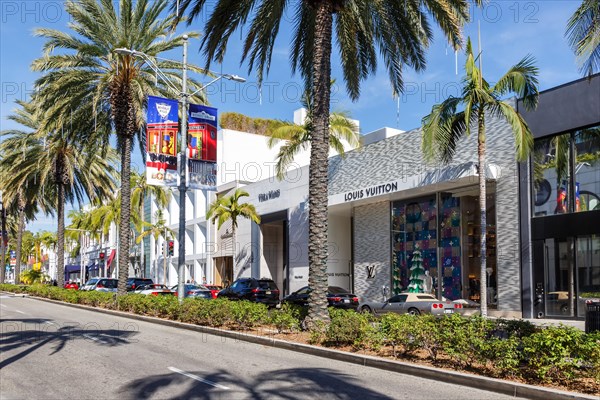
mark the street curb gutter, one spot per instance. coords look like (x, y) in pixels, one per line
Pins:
(475, 381)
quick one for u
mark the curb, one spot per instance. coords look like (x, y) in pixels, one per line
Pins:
(475, 381)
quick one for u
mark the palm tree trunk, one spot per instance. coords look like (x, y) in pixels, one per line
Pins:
(318, 172)
(3, 244)
(124, 223)
(483, 216)
(60, 237)
(143, 253)
(20, 229)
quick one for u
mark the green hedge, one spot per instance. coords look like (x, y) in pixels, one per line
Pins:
(502, 348)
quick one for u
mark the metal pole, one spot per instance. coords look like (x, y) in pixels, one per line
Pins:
(182, 180)
(81, 262)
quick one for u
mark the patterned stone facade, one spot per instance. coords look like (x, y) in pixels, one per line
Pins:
(400, 157)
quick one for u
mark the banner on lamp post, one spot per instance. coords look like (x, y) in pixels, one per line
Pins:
(161, 141)
(202, 147)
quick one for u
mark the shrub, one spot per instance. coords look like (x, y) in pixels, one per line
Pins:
(504, 355)
(555, 353)
(286, 318)
(214, 313)
(246, 314)
(348, 327)
(464, 339)
(400, 332)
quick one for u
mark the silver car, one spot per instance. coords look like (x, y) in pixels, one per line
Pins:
(411, 303)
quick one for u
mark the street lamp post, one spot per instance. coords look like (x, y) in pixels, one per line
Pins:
(182, 157)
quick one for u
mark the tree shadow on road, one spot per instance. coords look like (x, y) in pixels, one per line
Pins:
(29, 335)
(292, 383)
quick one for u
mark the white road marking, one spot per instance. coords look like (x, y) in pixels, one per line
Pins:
(20, 312)
(196, 377)
(95, 339)
(3, 305)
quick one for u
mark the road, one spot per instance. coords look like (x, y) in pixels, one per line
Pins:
(50, 351)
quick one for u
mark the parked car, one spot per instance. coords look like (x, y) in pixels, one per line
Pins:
(412, 303)
(102, 284)
(89, 284)
(258, 290)
(195, 291)
(71, 285)
(336, 297)
(214, 290)
(134, 282)
(154, 289)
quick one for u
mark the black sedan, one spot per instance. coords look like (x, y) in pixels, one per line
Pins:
(336, 297)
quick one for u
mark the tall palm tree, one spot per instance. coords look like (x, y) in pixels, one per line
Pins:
(399, 31)
(583, 34)
(67, 169)
(140, 190)
(229, 208)
(156, 230)
(298, 137)
(24, 197)
(445, 126)
(92, 79)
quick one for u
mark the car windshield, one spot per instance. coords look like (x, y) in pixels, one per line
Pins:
(267, 285)
(426, 297)
(91, 281)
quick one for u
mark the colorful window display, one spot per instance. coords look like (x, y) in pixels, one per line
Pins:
(414, 227)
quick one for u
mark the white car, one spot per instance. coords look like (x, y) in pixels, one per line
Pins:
(411, 303)
(154, 289)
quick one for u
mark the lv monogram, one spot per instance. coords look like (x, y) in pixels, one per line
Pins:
(370, 271)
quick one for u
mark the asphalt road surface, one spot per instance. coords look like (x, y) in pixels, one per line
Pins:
(50, 351)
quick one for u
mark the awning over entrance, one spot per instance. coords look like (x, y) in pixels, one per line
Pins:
(438, 179)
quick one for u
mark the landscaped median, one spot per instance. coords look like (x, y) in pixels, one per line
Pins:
(562, 357)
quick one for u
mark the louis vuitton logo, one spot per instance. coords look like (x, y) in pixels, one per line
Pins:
(370, 271)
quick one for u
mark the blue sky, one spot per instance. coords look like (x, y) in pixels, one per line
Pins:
(509, 30)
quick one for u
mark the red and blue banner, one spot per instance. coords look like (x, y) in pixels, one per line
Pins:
(161, 141)
(202, 147)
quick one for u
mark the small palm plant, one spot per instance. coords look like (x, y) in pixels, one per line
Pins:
(229, 208)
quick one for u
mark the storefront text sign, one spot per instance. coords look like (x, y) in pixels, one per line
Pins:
(271, 194)
(371, 191)
(370, 272)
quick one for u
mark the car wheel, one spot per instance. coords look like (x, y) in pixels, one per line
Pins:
(366, 310)
(413, 311)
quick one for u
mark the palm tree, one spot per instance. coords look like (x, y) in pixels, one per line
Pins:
(22, 198)
(92, 80)
(229, 208)
(399, 31)
(583, 34)
(445, 126)
(298, 137)
(156, 230)
(68, 168)
(140, 190)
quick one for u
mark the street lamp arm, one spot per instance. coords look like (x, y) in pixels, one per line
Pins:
(235, 78)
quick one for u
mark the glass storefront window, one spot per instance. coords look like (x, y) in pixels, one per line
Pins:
(552, 171)
(587, 170)
(572, 274)
(415, 226)
(551, 175)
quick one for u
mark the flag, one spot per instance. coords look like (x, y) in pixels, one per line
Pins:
(202, 147)
(161, 141)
